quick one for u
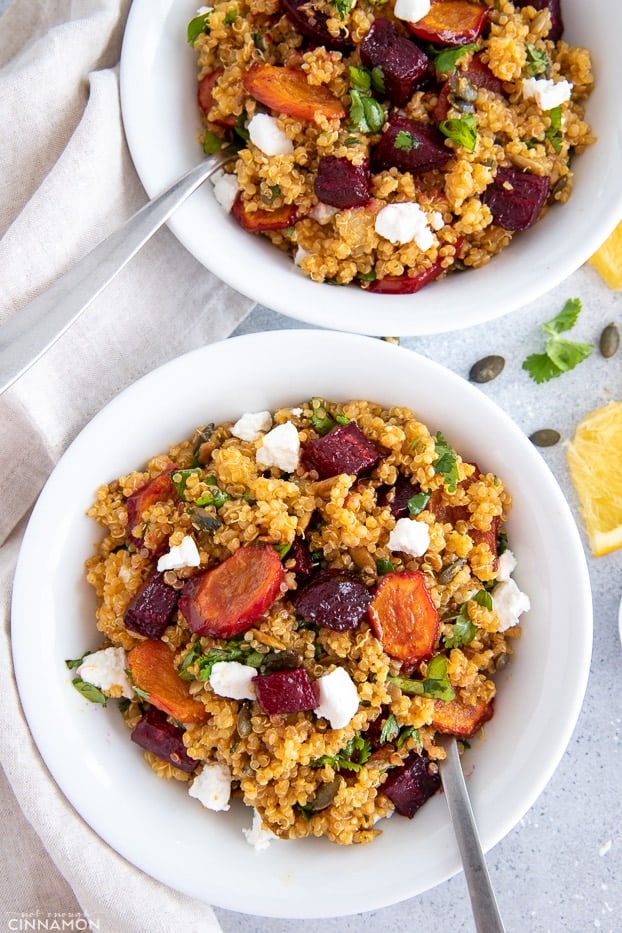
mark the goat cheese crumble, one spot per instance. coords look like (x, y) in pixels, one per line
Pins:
(252, 425)
(280, 448)
(403, 223)
(265, 133)
(411, 10)
(410, 536)
(106, 669)
(212, 786)
(338, 698)
(547, 93)
(181, 555)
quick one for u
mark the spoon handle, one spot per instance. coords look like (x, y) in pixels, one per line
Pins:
(483, 903)
(31, 331)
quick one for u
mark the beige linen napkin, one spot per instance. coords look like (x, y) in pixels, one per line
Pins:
(66, 181)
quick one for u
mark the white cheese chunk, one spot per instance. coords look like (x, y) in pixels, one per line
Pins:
(410, 537)
(338, 698)
(106, 669)
(265, 133)
(232, 679)
(181, 555)
(212, 786)
(300, 255)
(411, 10)
(436, 220)
(403, 223)
(323, 213)
(225, 190)
(252, 425)
(257, 836)
(506, 565)
(509, 603)
(546, 93)
(280, 448)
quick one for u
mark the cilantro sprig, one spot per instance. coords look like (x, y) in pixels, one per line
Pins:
(197, 25)
(351, 757)
(462, 130)
(463, 630)
(435, 684)
(446, 61)
(560, 354)
(446, 463)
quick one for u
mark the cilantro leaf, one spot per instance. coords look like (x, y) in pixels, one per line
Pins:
(560, 355)
(554, 132)
(351, 757)
(343, 7)
(196, 26)
(435, 685)
(418, 502)
(366, 113)
(406, 141)
(462, 130)
(445, 62)
(89, 691)
(538, 62)
(446, 463)
(390, 729)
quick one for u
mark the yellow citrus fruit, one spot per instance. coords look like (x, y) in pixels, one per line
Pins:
(594, 458)
(607, 260)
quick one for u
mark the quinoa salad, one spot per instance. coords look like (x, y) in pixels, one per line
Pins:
(293, 607)
(387, 144)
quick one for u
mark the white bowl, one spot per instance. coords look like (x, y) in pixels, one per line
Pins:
(154, 824)
(158, 93)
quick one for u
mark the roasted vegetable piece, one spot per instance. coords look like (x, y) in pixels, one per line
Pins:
(286, 691)
(397, 497)
(205, 98)
(345, 449)
(229, 598)
(406, 284)
(340, 183)
(516, 198)
(410, 785)
(286, 90)
(404, 618)
(299, 560)
(337, 599)
(312, 24)
(409, 145)
(480, 75)
(451, 22)
(402, 62)
(152, 666)
(555, 9)
(152, 608)
(461, 719)
(157, 735)
(156, 490)
(260, 220)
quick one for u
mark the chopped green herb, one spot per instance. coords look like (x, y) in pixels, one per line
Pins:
(321, 420)
(560, 355)
(366, 113)
(216, 497)
(418, 502)
(352, 756)
(89, 691)
(196, 26)
(435, 685)
(342, 419)
(282, 549)
(406, 733)
(212, 143)
(352, 141)
(554, 133)
(141, 694)
(538, 62)
(406, 141)
(343, 7)
(72, 664)
(390, 729)
(240, 127)
(384, 566)
(377, 79)
(360, 78)
(180, 479)
(446, 61)
(446, 464)
(462, 130)
(258, 42)
(230, 17)
(235, 651)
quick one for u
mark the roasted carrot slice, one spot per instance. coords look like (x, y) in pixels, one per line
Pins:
(461, 719)
(153, 670)
(156, 490)
(451, 22)
(286, 90)
(404, 618)
(259, 220)
(230, 598)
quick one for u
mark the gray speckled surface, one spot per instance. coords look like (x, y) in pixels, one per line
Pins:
(560, 869)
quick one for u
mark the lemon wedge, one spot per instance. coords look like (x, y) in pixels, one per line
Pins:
(594, 456)
(607, 260)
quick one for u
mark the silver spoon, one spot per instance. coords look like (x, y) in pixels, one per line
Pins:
(26, 336)
(483, 903)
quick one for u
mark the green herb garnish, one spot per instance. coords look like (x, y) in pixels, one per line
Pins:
(343, 7)
(230, 17)
(321, 420)
(196, 26)
(235, 651)
(366, 114)
(418, 502)
(212, 143)
(436, 684)
(406, 141)
(462, 130)
(560, 355)
(384, 566)
(351, 757)
(538, 62)
(446, 463)
(390, 729)
(554, 133)
(446, 61)
(89, 691)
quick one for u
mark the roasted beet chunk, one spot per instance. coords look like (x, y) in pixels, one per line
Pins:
(401, 61)
(345, 449)
(516, 198)
(336, 599)
(410, 145)
(151, 609)
(157, 735)
(299, 560)
(555, 9)
(410, 785)
(286, 691)
(341, 184)
(398, 496)
(313, 25)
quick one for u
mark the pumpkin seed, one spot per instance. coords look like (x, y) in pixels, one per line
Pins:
(325, 795)
(545, 437)
(486, 369)
(449, 572)
(609, 340)
(244, 724)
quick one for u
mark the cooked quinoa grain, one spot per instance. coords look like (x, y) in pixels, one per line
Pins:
(309, 658)
(477, 127)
